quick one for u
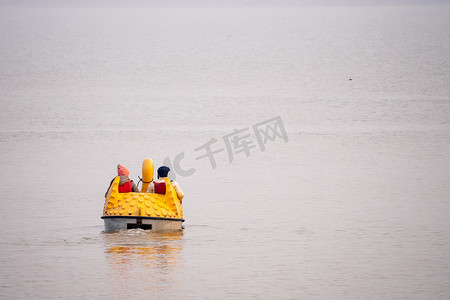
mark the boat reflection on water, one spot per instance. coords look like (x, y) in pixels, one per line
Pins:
(143, 258)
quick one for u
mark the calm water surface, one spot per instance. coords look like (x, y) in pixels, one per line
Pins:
(355, 205)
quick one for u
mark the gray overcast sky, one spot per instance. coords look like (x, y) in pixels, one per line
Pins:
(216, 3)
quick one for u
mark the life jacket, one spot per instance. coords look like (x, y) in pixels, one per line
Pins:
(160, 187)
(125, 188)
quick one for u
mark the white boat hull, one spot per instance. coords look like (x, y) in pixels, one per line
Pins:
(115, 223)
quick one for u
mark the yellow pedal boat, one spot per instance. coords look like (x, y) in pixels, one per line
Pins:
(142, 210)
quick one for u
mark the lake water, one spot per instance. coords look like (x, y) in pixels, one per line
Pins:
(351, 202)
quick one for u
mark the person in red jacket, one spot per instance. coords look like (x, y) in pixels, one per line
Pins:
(126, 185)
(159, 186)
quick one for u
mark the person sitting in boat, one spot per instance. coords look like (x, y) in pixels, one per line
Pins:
(126, 185)
(159, 186)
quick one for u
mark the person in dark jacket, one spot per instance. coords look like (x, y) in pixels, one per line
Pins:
(126, 185)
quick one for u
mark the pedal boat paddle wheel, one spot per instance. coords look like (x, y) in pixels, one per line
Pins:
(142, 210)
